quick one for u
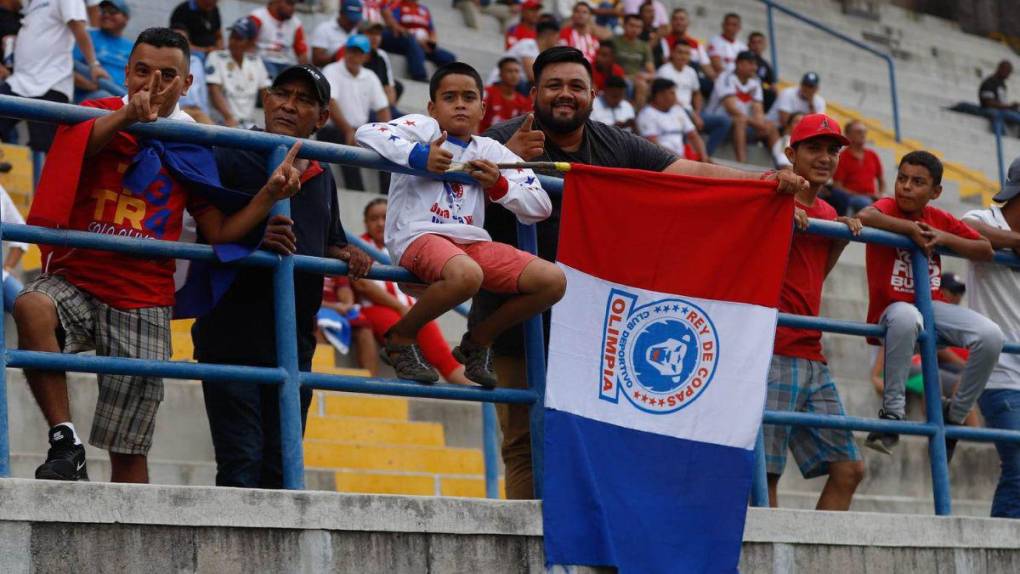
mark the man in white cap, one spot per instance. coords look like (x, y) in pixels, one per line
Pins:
(994, 291)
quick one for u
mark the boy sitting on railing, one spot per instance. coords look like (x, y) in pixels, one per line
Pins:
(891, 293)
(434, 228)
(101, 179)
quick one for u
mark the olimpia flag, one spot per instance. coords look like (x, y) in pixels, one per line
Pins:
(658, 359)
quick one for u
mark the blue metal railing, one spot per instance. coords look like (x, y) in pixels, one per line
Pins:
(289, 380)
(771, 7)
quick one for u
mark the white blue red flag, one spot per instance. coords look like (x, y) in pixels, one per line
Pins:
(658, 360)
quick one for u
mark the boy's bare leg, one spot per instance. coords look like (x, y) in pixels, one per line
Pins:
(129, 468)
(541, 285)
(839, 489)
(773, 480)
(365, 349)
(460, 280)
(36, 317)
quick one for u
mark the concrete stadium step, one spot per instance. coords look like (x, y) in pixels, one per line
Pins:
(438, 460)
(417, 484)
(374, 431)
(358, 405)
(889, 504)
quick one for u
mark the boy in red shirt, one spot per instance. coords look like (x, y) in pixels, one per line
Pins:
(799, 378)
(118, 304)
(502, 100)
(891, 293)
(853, 185)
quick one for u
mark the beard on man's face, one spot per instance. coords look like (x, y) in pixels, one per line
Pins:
(562, 125)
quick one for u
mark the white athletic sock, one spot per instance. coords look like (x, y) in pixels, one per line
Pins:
(70, 425)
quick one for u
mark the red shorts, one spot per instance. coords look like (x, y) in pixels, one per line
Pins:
(501, 264)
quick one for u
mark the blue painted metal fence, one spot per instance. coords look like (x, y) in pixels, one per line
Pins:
(290, 380)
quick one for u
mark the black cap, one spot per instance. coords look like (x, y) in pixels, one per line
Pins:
(1011, 187)
(308, 73)
(747, 55)
(810, 80)
(951, 282)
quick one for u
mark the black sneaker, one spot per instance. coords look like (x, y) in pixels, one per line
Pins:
(883, 442)
(950, 442)
(65, 460)
(408, 362)
(477, 362)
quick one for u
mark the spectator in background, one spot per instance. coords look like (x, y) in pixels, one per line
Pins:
(724, 48)
(611, 106)
(10, 23)
(994, 98)
(199, 21)
(605, 65)
(281, 40)
(635, 57)
(526, 50)
(667, 124)
(236, 76)
(340, 321)
(330, 36)
(853, 185)
(111, 47)
(414, 36)
(502, 10)
(994, 292)
(738, 93)
(654, 21)
(688, 94)
(357, 95)
(579, 33)
(43, 63)
(502, 100)
(607, 16)
(9, 214)
(244, 418)
(383, 304)
(803, 98)
(678, 24)
(195, 99)
(378, 62)
(778, 148)
(756, 43)
(526, 27)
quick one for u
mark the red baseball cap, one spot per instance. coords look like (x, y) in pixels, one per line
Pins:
(817, 125)
(531, 5)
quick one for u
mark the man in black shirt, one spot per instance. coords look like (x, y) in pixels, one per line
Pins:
(756, 43)
(244, 417)
(560, 130)
(199, 21)
(994, 98)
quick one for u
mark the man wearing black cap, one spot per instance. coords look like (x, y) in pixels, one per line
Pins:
(244, 417)
(803, 99)
(994, 291)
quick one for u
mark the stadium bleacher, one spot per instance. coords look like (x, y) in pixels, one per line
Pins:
(412, 446)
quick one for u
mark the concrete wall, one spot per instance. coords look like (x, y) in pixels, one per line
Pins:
(81, 527)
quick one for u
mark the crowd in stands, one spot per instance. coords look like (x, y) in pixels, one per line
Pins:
(657, 97)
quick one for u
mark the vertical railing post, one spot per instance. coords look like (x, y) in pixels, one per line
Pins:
(5, 443)
(534, 354)
(932, 387)
(773, 50)
(997, 126)
(760, 486)
(895, 98)
(38, 158)
(287, 353)
(490, 449)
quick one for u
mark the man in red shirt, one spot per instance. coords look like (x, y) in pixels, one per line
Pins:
(853, 185)
(526, 27)
(116, 304)
(578, 34)
(891, 293)
(799, 379)
(502, 100)
(414, 21)
(605, 66)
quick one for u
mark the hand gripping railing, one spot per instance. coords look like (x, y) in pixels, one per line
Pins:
(286, 374)
(771, 6)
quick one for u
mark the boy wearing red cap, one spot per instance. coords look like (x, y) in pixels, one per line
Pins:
(799, 378)
(891, 293)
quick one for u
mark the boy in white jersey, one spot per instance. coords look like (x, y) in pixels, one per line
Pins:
(434, 228)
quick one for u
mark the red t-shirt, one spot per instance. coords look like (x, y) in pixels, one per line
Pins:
(858, 175)
(599, 79)
(586, 43)
(802, 287)
(517, 32)
(102, 205)
(890, 274)
(414, 16)
(499, 108)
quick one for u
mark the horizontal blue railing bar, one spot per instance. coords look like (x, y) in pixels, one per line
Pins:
(122, 366)
(850, 423)
(378, 386)
(831, 325)
(982, 434)
(190, 132)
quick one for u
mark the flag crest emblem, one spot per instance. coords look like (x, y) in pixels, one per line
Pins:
(661, 355)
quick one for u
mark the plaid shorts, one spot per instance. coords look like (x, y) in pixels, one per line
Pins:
(800, 385)
(126, 407)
